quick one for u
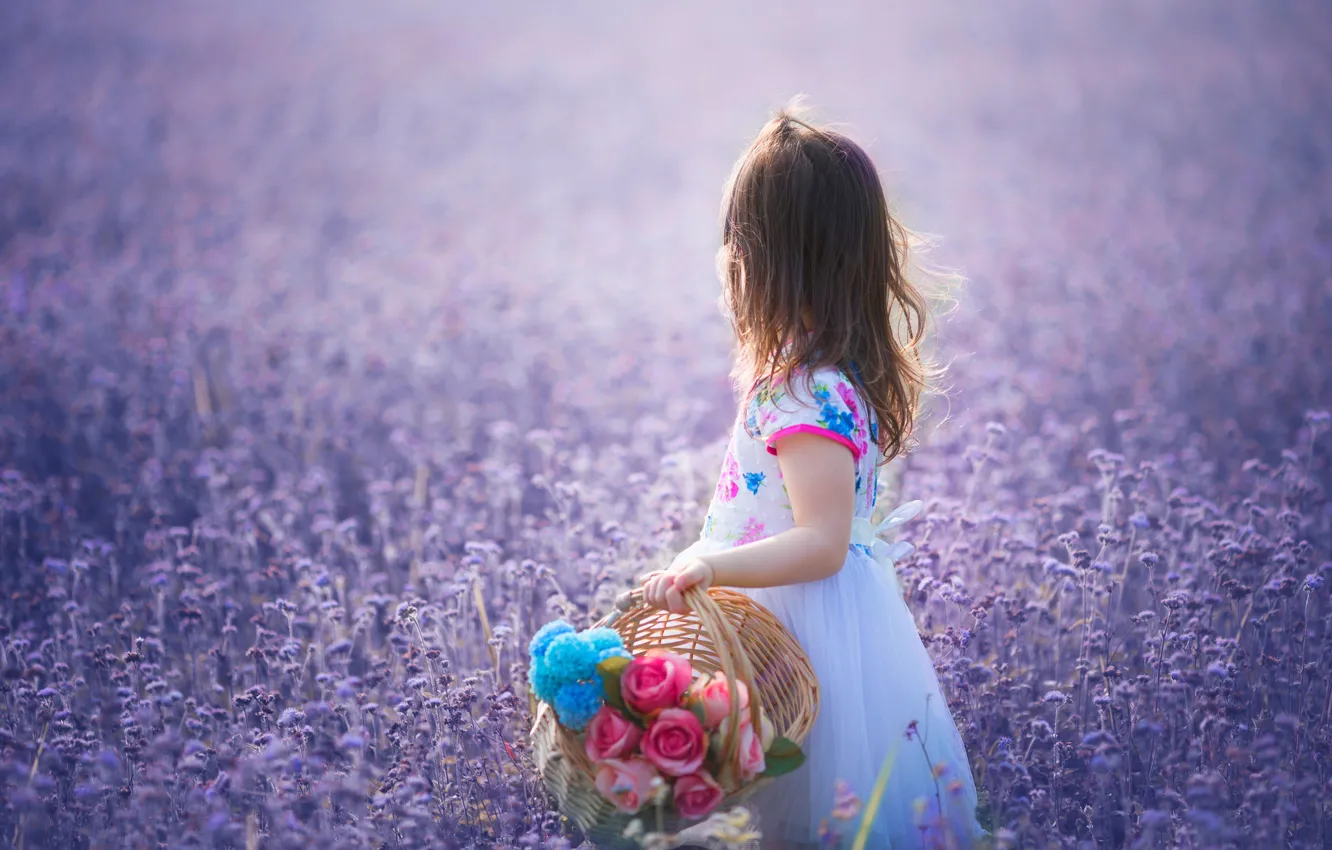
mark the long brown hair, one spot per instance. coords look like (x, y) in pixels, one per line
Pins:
(813, 267)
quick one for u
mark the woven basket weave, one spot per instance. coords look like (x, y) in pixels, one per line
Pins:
(724, 631)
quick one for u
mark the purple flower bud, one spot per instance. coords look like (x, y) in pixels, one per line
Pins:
(1154, 819)
(87, 790)
(339, 647)
(290, 717)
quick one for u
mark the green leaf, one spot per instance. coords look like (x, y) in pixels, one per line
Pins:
(715, 746)
(783, 747)
(696, 706)
(781, 765)
(610, 671)
(783, 756)
(613, 666)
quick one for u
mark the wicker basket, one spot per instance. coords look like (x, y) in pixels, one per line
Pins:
(724, 631)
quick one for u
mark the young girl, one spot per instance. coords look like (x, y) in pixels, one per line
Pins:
(828, 326)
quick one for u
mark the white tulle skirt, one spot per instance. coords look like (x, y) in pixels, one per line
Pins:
(876, 679)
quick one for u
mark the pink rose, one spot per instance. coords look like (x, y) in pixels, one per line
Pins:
(626, 782)
(610, 736)
(697, 794)
(715, 696)
(655, 681)
(675, 742)
(751, 758)
(752, 745)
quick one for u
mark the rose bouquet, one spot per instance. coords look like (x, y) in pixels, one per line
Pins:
(654, 729)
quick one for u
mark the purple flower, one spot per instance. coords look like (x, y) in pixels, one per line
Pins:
(291, 717)
(339, 647)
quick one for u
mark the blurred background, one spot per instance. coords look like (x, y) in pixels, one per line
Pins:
(512, 202)
(408, 269)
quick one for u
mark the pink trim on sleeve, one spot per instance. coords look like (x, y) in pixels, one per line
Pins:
(811, 429)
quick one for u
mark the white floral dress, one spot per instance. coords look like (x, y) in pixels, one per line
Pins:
(875, 677)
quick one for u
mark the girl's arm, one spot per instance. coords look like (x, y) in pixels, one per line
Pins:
(820, 481)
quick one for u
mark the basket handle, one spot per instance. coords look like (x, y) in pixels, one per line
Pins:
(734, 662)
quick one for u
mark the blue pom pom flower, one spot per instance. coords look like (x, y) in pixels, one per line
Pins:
(563, 672)
(542, 639)
(603, 639)
(572, 658)
(577, 703)
(544, 683)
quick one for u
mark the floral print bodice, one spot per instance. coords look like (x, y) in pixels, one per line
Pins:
(751, 501)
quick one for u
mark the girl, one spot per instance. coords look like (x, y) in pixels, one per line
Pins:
(828, 329)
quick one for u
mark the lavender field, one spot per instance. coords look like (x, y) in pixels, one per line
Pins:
(342, 345)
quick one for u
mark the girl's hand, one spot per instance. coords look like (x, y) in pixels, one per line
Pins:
(665, 590)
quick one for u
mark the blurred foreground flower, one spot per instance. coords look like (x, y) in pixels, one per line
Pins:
(732, 829)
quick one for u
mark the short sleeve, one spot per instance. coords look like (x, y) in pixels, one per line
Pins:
(823, 403)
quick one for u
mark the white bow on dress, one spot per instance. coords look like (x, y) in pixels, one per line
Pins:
(865, 533)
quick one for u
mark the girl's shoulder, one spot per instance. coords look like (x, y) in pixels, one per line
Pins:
(806, 386)
(821, 400)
